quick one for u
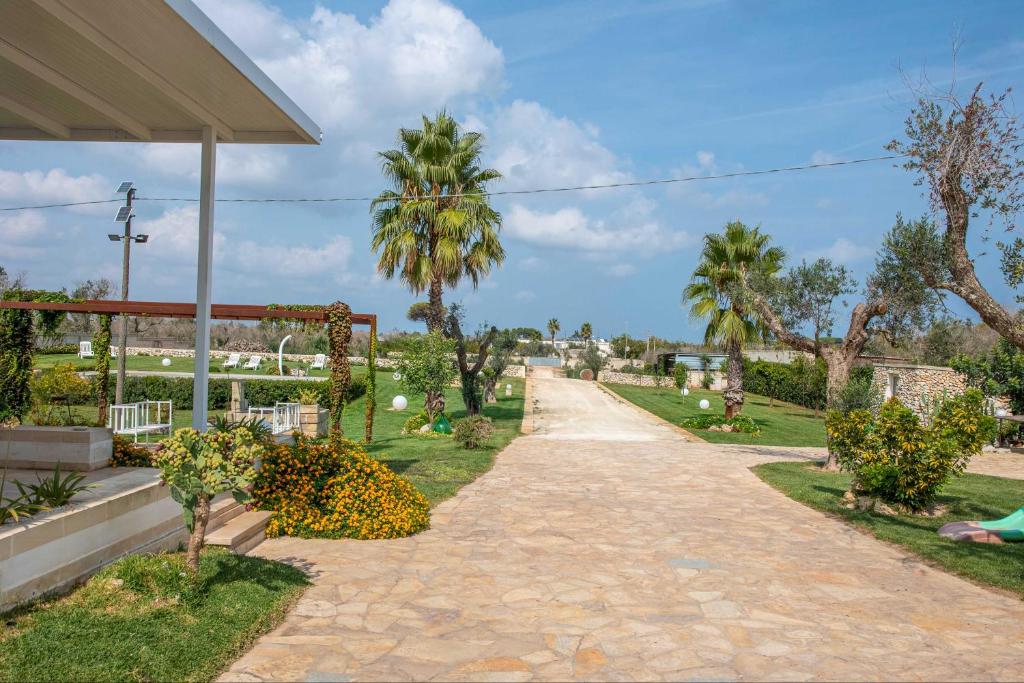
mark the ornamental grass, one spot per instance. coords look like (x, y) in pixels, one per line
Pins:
(335, 490)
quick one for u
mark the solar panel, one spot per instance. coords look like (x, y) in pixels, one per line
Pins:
(123, 214)
(124, 187)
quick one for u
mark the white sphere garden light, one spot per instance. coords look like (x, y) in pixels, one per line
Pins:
(685, 391)
(704, 404)
(397, 376)
(1001, 412)
(399, 402)
(166, 362)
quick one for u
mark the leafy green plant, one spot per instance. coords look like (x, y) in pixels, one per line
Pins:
(16, 508)
(739, 423)
(679, 374)
(127, 453)
(59, 383)
(308, 397)
(859, 393)
(413, 424)
(55, 491)
(897, 458)
(427, 368)
(473, 431)
(197, 466)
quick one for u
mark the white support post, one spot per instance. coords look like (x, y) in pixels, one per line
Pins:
(204, 278)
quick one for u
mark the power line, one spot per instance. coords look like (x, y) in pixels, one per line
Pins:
(497, 193)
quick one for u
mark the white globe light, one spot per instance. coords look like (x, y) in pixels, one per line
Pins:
(1001, 412)
(705, 404)
(399, 402)
(166, 362)
(685, 392)
(397, 376)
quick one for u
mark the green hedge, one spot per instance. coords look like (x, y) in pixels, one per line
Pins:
(257, 392)
(801, 381)
(56, 349)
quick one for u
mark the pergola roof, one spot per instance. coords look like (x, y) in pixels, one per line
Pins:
(164, 309)
(134, 70)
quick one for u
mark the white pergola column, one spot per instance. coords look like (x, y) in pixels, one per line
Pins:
(204, 278)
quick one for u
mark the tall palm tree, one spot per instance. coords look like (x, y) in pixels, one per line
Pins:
(715, 294)
(586, 331)
(553, 327)
(435, 225)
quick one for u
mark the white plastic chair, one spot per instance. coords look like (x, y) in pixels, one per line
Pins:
(254, 363)
(319, 362)
(85, 349)
(233, 360)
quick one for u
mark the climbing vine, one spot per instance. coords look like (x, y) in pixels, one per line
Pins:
(371, 384)
(339, 334)
(101, 347)
(18, 329)
(296, 323)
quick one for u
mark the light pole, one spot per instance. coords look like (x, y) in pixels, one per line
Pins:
(124, 215)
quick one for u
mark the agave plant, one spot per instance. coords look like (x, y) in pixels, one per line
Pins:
(256, 426)
(17, 507)
(55, 490)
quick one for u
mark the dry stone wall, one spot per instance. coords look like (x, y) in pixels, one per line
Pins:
(693, 379)
(917, 386)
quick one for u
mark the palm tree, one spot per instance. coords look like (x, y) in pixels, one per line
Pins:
(586, 331)
(714, 293)
(435, 225)
(553, 327)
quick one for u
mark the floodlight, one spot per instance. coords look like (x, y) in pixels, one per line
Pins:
(123, 214)
(113, 238)
(142, 239)
(124, 187)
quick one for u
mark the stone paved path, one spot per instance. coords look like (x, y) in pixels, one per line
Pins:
(604, 546)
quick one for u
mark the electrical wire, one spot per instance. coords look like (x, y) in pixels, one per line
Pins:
(496, 193)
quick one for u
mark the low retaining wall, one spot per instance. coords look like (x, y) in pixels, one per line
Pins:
(82, 449)
(693, 379)
(51, 551)
(382, 363)
(916, 386)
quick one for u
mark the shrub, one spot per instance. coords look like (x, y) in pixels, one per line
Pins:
(308, 396)
(130, 454)
(473, 431)
(897, 458)
(246, 346)
(258, 392)
(740, 423)
(59, 382)
(860, 393)
(413, 424)
(57, 350)
(679, 373)
(335, 490)
(54, 491)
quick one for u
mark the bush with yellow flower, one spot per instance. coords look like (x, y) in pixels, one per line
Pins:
(335, 490)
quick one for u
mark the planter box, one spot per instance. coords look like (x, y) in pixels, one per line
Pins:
(76, 448)
(313, 421)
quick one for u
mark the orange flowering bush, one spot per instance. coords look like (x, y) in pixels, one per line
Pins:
(335, 490)
(127, 453)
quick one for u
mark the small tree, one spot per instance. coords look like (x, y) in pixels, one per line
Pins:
(553, 327)
(198, 466)
(591, 358)
(679, 374)
(469, 374)
(426, 368)
(501, 352)
(586, 331)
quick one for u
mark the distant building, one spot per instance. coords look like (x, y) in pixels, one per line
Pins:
(693, 361)
(574, 342)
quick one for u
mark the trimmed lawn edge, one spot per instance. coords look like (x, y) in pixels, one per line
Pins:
(861, 527)
(643, 411)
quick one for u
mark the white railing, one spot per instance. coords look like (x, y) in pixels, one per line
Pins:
(284, 417)
(144, 417)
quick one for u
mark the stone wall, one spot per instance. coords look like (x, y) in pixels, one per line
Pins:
(916, 386)
(692, 379)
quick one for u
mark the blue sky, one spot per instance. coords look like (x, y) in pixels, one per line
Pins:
(567, 93)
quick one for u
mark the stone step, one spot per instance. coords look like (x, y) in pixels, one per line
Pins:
(223, 511)
(241, 534)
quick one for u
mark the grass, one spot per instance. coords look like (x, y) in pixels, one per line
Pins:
(140, 620)
(783, 424)
(969, 497)
(153, 364)
(437, 466)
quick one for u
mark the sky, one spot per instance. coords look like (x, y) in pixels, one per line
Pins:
(565, 93)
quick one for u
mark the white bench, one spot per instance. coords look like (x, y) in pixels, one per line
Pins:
(284, 417)
(144, 417)
(85, 350)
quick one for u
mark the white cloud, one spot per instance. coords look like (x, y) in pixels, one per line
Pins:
(531, 263)
(841, 251)
(697, 193)
(416, 54)
(21, 226)
(56, 186)
(236, 164)
(533, 147)
(570, 228)
(820, 156)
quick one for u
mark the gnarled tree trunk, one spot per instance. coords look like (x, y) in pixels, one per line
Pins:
(198, 535)
(733, 394)
(490, 393)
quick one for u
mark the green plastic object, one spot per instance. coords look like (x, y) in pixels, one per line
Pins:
(1009, 528)
(442, 426)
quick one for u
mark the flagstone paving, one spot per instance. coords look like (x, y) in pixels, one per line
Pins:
(605, 546)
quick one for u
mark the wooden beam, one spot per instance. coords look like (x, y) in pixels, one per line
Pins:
(162, 309)
(72, 89)
(181, 99)
(40, 121)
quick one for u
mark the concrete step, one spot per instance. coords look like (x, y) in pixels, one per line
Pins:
(223, 511)
(241, 534)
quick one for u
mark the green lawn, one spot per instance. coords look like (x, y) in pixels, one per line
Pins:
(155, 626)
(970, 497)
(784, 424)
(153, 364)
(437, 466)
